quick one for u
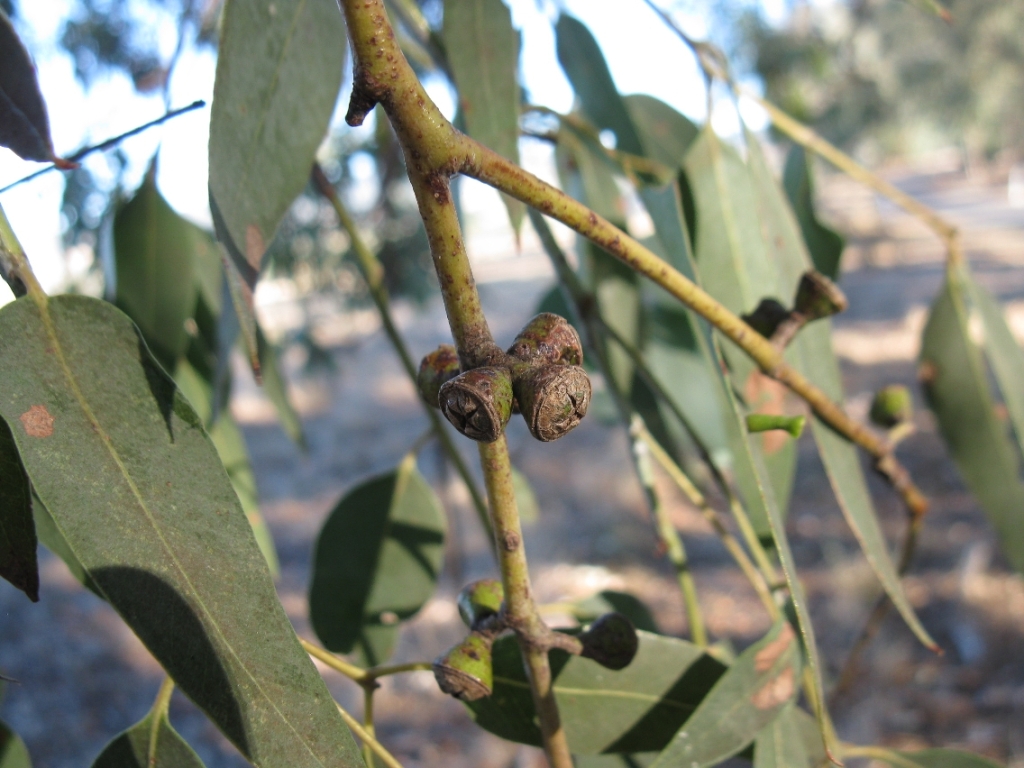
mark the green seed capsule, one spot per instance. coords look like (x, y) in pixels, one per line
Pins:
(892, 405)
(465, 672)
(479, 601)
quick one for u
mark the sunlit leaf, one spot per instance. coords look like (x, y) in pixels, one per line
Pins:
(24, 125)
(376, 562)
(13, 752)
(665, 134)
(279, 69)
(136, 489)
(783, 743)
(637, 709)
(483, 52)
(154, 253)
(584, 65)
(17, 530)
(749, 696)
(953, 374)
(151, 743)
(824, 245)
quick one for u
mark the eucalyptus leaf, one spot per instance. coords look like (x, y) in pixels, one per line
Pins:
(956, 387)
(665, 134)
(136, 489)
(637, 709)
(150, 743)
(825, 245)
(13, 752)
(276, 388)
(279, 69)
(376, 562)
(482, 48)
(24, 124)
(932, 758)
(780, 744)
(18, 563)
(154, 253)
(526, 499)
(752, 693)
(610, 600)
(584, 65)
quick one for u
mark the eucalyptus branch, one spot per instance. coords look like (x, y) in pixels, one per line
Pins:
(368, 740)
(373, 272)
(14, 266)
(367, 678)
(432, 150)
(492, 169)
(70, 163)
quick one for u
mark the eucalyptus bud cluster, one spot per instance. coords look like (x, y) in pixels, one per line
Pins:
(540, 376)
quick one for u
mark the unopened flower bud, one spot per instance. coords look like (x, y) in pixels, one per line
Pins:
(548, 338)
(552, 398)
(437, 368)
(478, 402)
(479, 601)
(611, 641)
(818, 297)
(892, 405)
(465, 672)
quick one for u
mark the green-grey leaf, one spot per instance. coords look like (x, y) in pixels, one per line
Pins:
(51, 537)
(584, 65)
(1003, 353)
(279, 69)
(148, 745)
(526, 499)
(811, 353)
(376, 562)
(955, 384)
(609, 600)
(13, 752)
(483, 53)
(17, 530)
(825, 245)
(136, 489)
(24, 124)
(750, 695)
(666, 135)
(276, 389)
(637, 709)
(780, 744)
(154, 252)
(230, 444)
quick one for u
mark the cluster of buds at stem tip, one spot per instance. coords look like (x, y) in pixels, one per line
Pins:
(540, 376)
(816, 297)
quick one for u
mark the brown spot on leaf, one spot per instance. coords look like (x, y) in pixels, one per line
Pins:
(776, 691)
(37, 421)
(254, 246)
(771, 652)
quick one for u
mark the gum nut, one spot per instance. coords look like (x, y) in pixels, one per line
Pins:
(480, 600)
(892, 405)
(440, 366)
(611, 641)
(478, 403)
(548, 338)
(553, 399)
(818, 297)
(465, 671)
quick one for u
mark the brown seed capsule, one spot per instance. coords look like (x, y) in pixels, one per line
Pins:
(548, 338)
(465, 672)
(611, 641)
(767, 317)
(553, 398)
(818, 297)
(437, 368)
(478, 402)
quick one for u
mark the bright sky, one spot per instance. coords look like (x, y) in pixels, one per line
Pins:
(643, 55)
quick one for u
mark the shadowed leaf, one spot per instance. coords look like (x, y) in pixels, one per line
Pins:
(824, 245)
(276, 389)
(749, 696)
(376, 562)
(933, 758)
(953, 374)
(13, 752)
(146, 746)
(137, 491)
(636, 709)
(665, 134)
(17, 530)
(610, 600)
(24, 125)
(154, 252)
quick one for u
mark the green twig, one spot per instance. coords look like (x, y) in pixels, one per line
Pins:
(368, 740)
